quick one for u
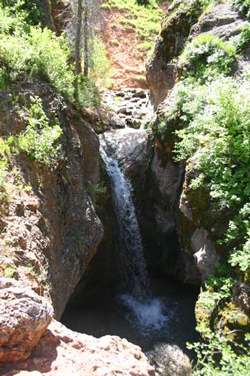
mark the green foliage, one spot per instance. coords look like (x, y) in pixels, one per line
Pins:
(37, 54)
(8, 23)
(241, 257)
(10, 272)
(243, 40)
(3, 169)
(100, 72)
(100, 67)
(243, 6)
(39, 139)
(114, 42)
(206, 56)
(28, 10)
(216, 135)
(6, 147)
(97, 190)
(221, 357)
(146, 46)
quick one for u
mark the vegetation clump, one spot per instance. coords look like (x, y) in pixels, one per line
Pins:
(243, 6)
(209, 119)
(27, 50)
(207, 55)
(243, 40)
(39, 138)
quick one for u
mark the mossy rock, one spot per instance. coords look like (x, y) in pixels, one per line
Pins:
(233, 321)
(204, 309)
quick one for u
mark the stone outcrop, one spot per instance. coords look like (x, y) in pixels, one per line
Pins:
(51, 229)
(221, 21)
(160, 71)
(182, 22)
(63, 352)
(24, 317)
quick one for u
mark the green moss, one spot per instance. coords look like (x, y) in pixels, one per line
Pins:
(234, 321)
(114, 43)
(10, 272)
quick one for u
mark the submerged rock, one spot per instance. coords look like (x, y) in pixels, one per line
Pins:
(64, 352)
(170, 360)
(24, 317)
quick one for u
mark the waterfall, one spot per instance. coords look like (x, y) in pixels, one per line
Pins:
(132, 262)
(147, 309)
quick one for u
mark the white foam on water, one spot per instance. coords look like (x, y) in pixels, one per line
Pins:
(149, 316)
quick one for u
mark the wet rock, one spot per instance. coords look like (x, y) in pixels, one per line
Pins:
(64, 352)
(170, 360)
(130, 147)
(24, 317)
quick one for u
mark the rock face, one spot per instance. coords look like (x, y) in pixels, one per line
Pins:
(221, 21)
(24, 317)
(160, 71)
(51, 229)
(182, 22)
(63, 352)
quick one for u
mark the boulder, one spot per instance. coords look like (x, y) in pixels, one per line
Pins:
(24, 317)
(64, 352)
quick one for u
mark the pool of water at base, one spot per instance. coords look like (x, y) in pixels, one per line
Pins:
(107, 314)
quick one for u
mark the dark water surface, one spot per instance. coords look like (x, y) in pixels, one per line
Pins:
(104, 314)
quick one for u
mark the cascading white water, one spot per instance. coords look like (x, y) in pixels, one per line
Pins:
(134, 267)
(148, 310)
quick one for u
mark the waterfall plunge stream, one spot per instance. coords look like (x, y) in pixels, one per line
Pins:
(115, 296)
(146, 312)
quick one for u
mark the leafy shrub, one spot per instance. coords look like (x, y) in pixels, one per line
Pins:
(100, 65)
(28, 10)
(207, 55)
(39, 139)
(243, 40)
(38, 54)
(216, 135)
(49, 60)
(221, 357)
(9, 23)
(243, 6)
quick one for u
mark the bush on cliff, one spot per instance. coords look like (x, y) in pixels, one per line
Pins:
(206, 56)
(243, 6)
(216, 135)
(38, 53)
(40, 140)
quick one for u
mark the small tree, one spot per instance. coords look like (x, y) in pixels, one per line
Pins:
(80, 31)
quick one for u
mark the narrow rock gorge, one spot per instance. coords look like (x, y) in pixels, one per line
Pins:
(124, 191)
